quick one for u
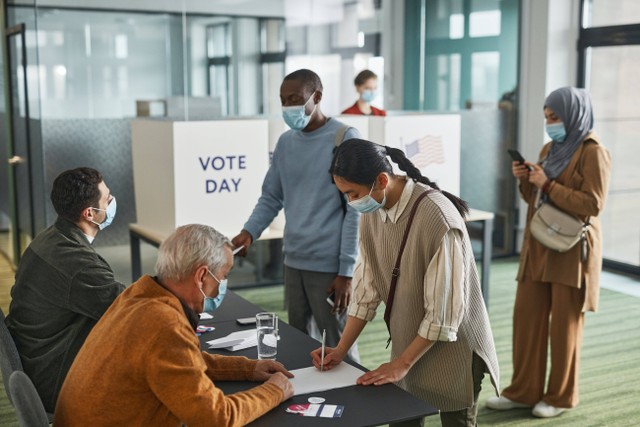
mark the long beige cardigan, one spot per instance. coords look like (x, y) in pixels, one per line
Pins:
(581, 189)
(443, 375)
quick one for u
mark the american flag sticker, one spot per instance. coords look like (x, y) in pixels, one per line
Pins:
(425, 151)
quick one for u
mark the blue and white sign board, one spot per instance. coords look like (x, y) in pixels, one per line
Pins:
(207, 172)
(430, 141)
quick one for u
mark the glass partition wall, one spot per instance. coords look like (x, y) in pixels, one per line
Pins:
(461, 56)
(609, 65)
(98, 63)
(78, 75)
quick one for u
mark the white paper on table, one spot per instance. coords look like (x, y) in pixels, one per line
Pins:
(312, 380)
(236, 340)
(205, 316)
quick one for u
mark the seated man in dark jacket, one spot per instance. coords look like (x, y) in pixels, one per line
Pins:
(62, 285)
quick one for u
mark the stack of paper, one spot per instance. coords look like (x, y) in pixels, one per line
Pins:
(236, 340)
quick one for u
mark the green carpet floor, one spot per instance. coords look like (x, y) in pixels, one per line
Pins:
(609, 375)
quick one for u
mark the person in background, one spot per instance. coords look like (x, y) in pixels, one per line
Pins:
(320, 237)
(555, 289)
(366, 83)
(441, 340)
(63, 286)
(142, 364)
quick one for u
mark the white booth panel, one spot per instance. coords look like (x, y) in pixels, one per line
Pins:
(359, 122)
(153, 172)
(431, 142)
(208, 172)
(219, 169)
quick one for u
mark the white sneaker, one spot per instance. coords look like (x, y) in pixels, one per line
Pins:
(543, 410)
(501, 403)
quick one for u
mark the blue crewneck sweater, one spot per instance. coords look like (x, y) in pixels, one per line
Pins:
(318, 236)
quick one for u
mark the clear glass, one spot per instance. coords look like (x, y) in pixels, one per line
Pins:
(445, 19)
(272, 36)
(484, 19)
(614, 88)
(445, 94)
(267, 330)
(272, 75)
(485, 67)
(602, 13)
(219, 86)
(219, 40)
(98, 64)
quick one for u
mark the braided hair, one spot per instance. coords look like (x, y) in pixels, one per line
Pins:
(360, 161)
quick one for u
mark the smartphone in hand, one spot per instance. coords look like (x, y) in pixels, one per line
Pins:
(331, 299)
(517, 157)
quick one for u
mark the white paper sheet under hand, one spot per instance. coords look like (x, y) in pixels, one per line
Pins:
(311, 380)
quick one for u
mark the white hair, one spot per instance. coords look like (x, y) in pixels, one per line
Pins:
(189, 247)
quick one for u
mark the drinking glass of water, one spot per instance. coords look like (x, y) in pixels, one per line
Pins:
(267, 326)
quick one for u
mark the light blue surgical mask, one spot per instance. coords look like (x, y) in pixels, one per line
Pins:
(111, 214)
(367, 203)
(212, 304)
(296, 117)
(556, 131)
(368, 95)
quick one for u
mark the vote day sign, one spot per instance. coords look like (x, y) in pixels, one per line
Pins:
(207, 172)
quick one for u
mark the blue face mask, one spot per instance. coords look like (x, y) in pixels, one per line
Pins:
(212, 304)
(367, 203)
(296, 117)
(557, 132)
(111, 214)
(368, 95)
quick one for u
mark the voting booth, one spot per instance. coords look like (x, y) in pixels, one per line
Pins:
(211, 172)
(430, 141)
(207, 172)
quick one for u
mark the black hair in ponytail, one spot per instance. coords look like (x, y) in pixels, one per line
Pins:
(360, 161)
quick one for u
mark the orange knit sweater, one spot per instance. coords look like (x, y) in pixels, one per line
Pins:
(142, 365)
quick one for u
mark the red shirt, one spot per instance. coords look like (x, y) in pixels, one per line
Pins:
(355, 110)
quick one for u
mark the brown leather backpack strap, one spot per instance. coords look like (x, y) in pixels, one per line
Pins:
(396, 270)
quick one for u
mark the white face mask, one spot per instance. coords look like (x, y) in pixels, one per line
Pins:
(110, 214)
(211, 304)
(367, 203)
(296, 117)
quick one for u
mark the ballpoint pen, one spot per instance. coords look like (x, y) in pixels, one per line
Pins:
(324, 335)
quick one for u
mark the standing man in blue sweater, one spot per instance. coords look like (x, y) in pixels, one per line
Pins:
(321, 232)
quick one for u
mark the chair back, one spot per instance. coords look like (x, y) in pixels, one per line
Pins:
(29, 407)
(9, 357)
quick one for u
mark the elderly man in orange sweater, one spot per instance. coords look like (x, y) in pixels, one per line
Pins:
(142, 365)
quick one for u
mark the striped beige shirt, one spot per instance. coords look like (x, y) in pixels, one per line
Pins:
(437, 295)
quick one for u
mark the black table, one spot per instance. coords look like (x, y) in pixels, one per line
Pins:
(233, 307)
(363, 406)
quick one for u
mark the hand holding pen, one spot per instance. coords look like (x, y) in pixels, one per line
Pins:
(332, 357)
(324, 340)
